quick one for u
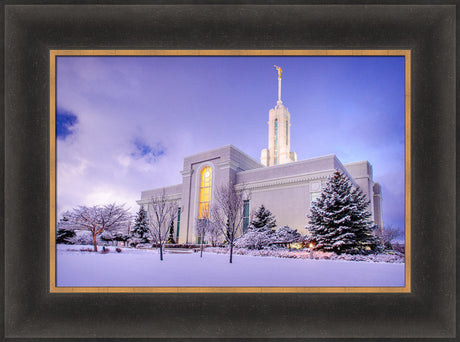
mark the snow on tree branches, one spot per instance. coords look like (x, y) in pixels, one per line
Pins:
(263, 218)
(171, 233)
(65, 232)
(97, 219)
(286, 235)
(339, 219)
(256, 238)
(140, 232)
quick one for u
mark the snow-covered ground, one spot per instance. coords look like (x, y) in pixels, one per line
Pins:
(133, 267)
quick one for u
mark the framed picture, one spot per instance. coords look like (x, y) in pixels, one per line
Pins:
(35, 35)
(111, 109)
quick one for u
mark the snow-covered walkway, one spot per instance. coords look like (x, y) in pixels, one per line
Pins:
(144, 268)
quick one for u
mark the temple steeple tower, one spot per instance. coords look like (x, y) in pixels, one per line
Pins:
(279, 133)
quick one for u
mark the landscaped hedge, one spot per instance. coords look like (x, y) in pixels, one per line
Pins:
(180, 245)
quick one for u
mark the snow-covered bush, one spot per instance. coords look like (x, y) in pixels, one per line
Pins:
(255, 238)
(134, 242)
(105, 250)
(305, 254)
(82, 238)
(286, 235)
(144, 245)
(106, 236)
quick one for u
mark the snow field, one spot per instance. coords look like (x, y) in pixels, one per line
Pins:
(135, 267)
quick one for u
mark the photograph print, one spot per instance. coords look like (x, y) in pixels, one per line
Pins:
(231, 173)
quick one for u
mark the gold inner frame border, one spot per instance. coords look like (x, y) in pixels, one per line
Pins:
(53, 54)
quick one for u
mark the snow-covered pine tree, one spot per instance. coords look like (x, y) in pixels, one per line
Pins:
(140, 230)
(171, 233)
(339, 219)
(262, 218)
(64, 233)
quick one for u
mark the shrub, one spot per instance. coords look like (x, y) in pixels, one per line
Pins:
(65, 236)
(255, 238)
(118, 250)
(180, 245)
(105, 250)
(144, 245)
(82, 238)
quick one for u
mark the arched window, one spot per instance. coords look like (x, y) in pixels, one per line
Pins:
(205, 192)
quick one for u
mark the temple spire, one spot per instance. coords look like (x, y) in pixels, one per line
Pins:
(279, 84)
(279, 133)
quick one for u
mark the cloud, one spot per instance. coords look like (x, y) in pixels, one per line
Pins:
(124, 125)
(65, 123)
(149, 152)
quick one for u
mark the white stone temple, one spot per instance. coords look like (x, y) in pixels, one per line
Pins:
(282, 184)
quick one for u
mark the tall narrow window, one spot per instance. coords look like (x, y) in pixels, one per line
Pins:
(245, 216)
(178, 225)
(276, 141)
(205, 192)
(287, 133)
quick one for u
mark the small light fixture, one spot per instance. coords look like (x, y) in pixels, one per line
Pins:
(311, 250)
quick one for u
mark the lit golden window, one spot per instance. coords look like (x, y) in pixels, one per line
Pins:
(205, 192)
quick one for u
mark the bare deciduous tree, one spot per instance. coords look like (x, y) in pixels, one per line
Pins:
(214, 233)
(97, 219)
(388, 234)
(206, 228)
(201, 228)
(227, 212)
(161, 212)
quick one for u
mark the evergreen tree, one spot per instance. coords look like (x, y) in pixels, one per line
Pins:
(141, 229)
(262, 218)
(339, 219)
(171, 233)
(64, 233)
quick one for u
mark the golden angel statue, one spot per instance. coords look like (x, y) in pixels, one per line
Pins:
(279, 71)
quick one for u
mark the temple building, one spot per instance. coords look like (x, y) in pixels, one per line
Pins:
(282, 184)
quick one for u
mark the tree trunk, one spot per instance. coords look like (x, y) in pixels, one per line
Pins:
(161, 252)
(95, 241)
(231, 251)
(201, 247)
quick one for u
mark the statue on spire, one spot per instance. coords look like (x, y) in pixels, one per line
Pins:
(279, 71)
(279, 84)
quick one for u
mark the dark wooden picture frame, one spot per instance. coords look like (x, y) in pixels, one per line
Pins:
(32, 312)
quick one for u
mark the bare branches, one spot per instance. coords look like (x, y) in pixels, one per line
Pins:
(161, 212)
(227, 211)
(98, 218)
(388, 234)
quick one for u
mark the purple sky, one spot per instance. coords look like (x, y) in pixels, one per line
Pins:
(124, 124)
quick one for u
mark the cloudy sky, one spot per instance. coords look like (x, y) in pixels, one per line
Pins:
(124, 124)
